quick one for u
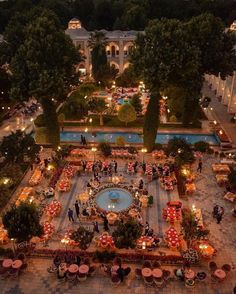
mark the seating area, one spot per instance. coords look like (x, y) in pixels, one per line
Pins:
(12, 268)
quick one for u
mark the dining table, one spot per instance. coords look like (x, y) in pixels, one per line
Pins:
(7, 263)
(172, 214)
(17, 264)
(189, 274)
(157, 273)
(220, 274)
(83, 269)
(73, 268)
(146, 272)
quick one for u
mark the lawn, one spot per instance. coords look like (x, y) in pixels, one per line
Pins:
(113, 121)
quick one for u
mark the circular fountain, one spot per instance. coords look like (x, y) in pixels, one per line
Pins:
(114, 199)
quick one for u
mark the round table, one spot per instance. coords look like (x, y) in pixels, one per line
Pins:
(83, 269)
(220, 274)
(189, 274)
(7, 263)
(73, 268)
(157, 273)
(17, 263)
(146, 272)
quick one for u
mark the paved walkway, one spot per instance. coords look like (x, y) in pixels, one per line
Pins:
(219, 113)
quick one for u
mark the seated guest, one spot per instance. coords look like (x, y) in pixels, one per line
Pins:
(78, 260)
(85, 212)
(57, 260)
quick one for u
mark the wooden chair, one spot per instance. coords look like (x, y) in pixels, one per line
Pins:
(156, 264)
(82, 277)
(13, 273)
(71, 277)
(148, 281)
(147, 263)
(91, 271)
(115, 280)
(159, 282)
(212, 266)
(226, 267)
(166, 275)
(138, 273)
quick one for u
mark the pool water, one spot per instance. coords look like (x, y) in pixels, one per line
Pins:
(122, 101)
(103, 199)
(162, 138)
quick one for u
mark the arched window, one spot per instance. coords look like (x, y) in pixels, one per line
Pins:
(113, 51)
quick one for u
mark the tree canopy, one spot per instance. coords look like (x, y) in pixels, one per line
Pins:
(23, 222)
(127, 113)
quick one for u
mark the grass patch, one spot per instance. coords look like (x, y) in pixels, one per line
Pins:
(113, 121)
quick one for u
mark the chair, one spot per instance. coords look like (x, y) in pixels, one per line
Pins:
(226, 268)
(201, 276)
(147, 263)
(212, 266)
(138, 273)
(4, 273)
(82, 277)
(166, 275)
(127, 271)
(159, 282)
(21, 256)
(86, 261)
(156, 264)
(13, 273)
(115, 281)
(148, 281)
(91, 271)
(24, 267)
(71, 277)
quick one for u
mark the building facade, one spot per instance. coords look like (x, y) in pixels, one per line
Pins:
(118, 46)
(225, 89)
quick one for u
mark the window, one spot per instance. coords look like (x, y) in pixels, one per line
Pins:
(117, 52)
(108, 52)
(113, 51)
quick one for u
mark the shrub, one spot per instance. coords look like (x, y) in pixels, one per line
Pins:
(120, 141)
(23, 222)
(173, 118)
(41, 135)
(126, 234)
(150, 200)
(105, 148)
(158, 146)
(132, 150)
(104, 256)
(127, 113)
(202, 146)
(83, 237)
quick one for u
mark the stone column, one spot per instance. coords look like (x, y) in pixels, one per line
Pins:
(121, 56)
(231, 100)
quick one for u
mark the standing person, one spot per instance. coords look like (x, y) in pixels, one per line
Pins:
(146, 229)
(115, 166)
(199, 168)
(95, 227)
(70, 215)
(215, 211)
(81, 140)
(219, 214)
(77, 209)
(105, 224)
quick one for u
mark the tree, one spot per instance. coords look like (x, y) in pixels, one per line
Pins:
(136, 103)
(162, 56)
(23, 222)
(75, 107)
(127, 113)
(5, 85)
(190, 227)
(128, 78)
(105, 148)
(61, 119)
(99, 106)
(16, 146)
(126, 234)
(40, 71)
(102, 72)
(151, 121)
(134, 18)
(83, 237)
